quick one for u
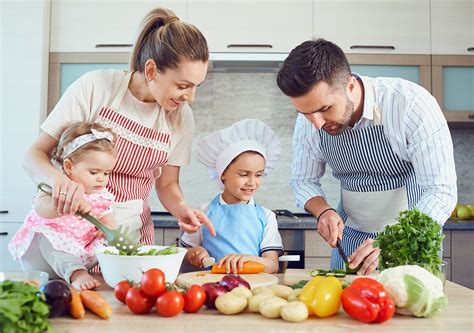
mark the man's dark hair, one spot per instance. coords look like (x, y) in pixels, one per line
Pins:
(310, 63)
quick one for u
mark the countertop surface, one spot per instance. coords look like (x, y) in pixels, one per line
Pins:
(162, 220)
(456, 317)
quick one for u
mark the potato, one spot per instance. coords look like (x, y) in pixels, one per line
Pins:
(271, 307)
(294, 312)
(281, 290)
(255, 300)
(294, 295)
(231, 303)
(242, 291)
(263, 290)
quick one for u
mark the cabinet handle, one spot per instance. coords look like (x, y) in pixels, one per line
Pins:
(470, 49)
(383, 47)
(268, 46)
(3, 233)
(3, 211)
(112, 45)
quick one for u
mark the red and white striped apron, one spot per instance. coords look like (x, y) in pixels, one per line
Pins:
(141, 150)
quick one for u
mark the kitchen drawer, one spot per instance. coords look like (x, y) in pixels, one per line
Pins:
(7, 231)
(101, 26)
(171, 236)
(293, 239)
(317, 262)
(382, 27)
(447, 244)
(158, 236)
(315, 246)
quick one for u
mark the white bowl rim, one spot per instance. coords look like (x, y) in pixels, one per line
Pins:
(102, 249)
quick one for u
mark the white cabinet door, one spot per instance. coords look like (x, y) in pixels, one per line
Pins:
(101, 25)
(7, 231)
(252, 26)
(369, 26)
(452, 27)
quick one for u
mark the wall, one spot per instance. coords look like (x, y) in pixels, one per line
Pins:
(227, 97)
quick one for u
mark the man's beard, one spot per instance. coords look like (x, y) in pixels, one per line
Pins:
(339, 127)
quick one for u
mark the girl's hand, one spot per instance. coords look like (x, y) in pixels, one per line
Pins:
(67, 195)
(191, 219)
(234, 262)
(84, 207)
(196, 255)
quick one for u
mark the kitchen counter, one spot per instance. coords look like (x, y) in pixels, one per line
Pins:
(456, 317)
(164, 220)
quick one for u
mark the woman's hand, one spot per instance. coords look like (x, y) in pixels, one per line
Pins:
(191, 219)
(235, 262)
(196, 255)
(67, 195)
(367, 254)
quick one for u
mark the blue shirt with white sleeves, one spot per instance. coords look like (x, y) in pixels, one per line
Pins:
(417, 132)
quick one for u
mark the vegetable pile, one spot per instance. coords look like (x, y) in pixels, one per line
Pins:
(151, 252)
(22, 308)
(415, 240)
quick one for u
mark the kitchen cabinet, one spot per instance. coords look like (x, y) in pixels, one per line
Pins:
(452, 27)
(252, 26)
(25, 36)
(167, 236)
(382, 27)
(101, 26)
(7, 231)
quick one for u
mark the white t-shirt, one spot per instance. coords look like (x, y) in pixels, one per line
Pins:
(271, 237)
(83, 100)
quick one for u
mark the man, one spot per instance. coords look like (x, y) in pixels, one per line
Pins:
(385, 139)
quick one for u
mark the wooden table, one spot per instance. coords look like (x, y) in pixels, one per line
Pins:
(458, 316)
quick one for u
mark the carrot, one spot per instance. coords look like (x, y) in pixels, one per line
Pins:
(76, 308)
(250, 267)
(96, 303)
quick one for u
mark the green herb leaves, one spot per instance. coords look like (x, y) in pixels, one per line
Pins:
(22, 308)
(415, 240)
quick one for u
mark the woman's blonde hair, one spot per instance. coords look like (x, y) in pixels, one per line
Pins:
(167, 41)
(77, 129)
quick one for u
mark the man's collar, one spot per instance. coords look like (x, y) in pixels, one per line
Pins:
(368, 112)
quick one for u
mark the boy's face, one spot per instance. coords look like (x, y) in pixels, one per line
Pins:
(242, 178)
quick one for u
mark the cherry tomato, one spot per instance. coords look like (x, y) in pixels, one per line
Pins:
(170, 304)
(194, 298)
(138, 302)
(153, 282)
(121, 289)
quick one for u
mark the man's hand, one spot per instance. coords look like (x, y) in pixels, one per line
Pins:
(367, 254)
(330, 226)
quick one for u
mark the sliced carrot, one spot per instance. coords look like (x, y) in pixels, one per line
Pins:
(96, 303)
(250, 267)
(76, 308)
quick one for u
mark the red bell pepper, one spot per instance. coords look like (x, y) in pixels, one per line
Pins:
(366, 300)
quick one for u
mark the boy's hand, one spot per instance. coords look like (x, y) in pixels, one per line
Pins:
(235, 262)
(196, 255)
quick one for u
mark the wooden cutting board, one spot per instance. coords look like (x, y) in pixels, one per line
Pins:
(293, 276)
(201, 277)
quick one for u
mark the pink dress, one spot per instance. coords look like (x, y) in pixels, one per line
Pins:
(66, 233)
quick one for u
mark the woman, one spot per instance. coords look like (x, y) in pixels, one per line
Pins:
(148, 110)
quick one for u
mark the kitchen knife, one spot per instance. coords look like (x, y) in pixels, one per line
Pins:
(341, 252)
(208, 262)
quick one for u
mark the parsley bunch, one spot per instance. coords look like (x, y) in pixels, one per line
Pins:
(23, 308)
(414, 240)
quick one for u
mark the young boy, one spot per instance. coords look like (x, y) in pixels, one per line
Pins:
(237, 157)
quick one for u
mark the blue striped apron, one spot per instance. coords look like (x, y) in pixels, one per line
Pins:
(374, 180)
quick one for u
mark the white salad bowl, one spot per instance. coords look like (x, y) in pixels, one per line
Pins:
(116, 268)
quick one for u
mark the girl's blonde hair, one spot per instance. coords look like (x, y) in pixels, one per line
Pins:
(77, 129)
(167, 40)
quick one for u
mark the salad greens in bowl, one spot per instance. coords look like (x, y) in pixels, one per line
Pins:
(117, 266)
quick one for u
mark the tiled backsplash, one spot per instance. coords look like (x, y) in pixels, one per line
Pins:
(227, 97)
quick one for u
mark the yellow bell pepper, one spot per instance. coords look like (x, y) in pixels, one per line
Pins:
(322, 296)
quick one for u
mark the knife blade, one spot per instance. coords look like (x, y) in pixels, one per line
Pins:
(341, 252)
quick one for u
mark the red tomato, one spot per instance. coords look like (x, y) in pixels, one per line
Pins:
(170, 304)
(121, 289)
(138, 302)
(194, 298)
(153, 282)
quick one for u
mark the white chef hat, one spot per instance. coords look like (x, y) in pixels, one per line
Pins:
(218, 149)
